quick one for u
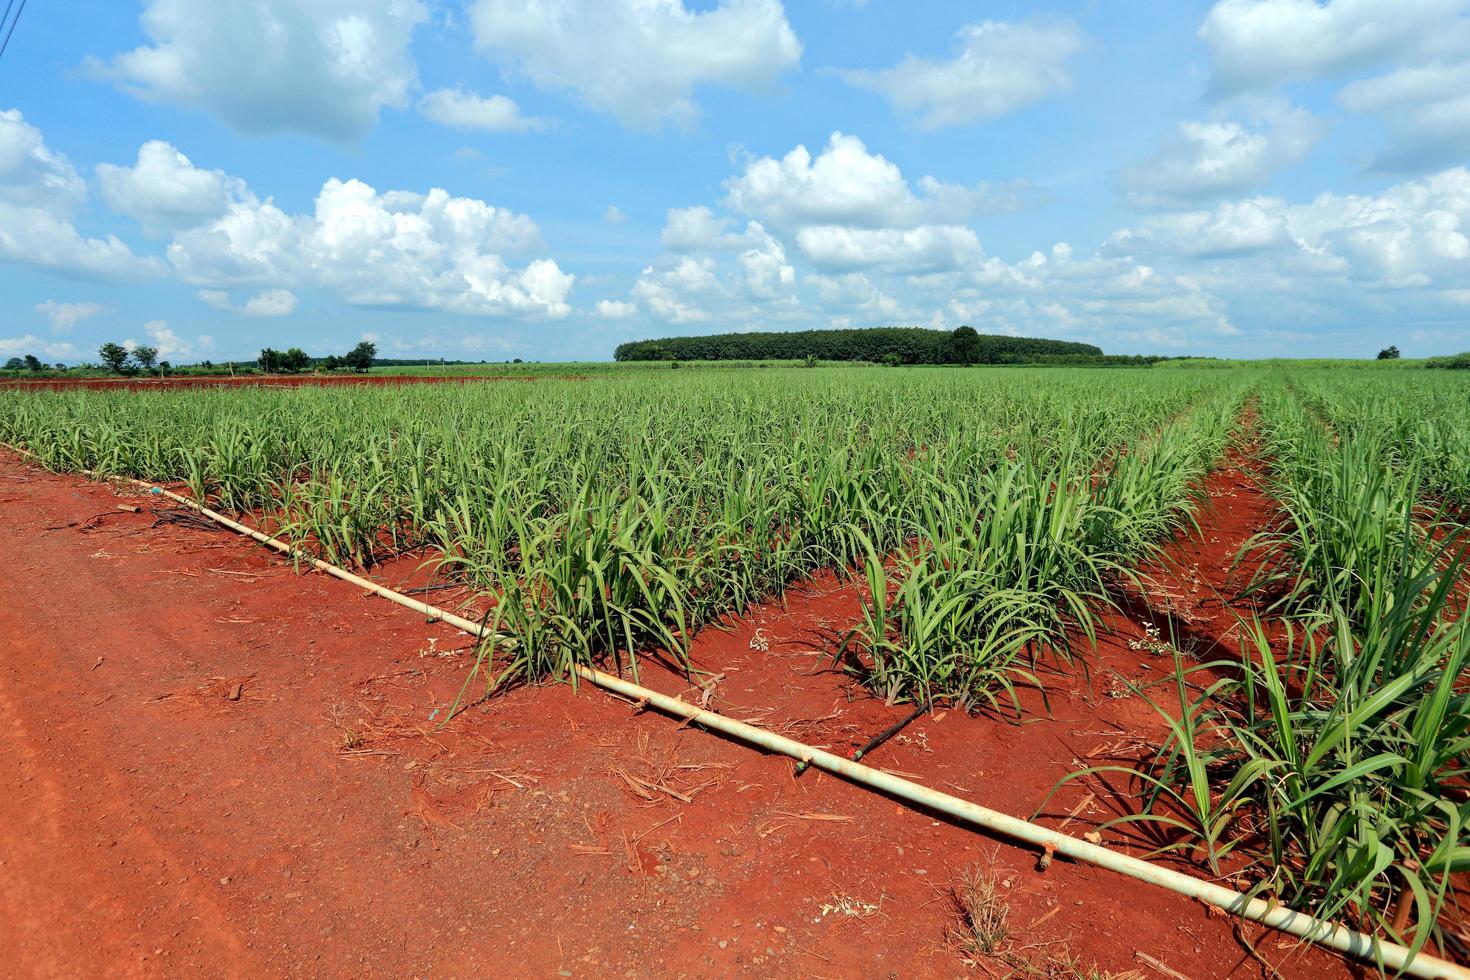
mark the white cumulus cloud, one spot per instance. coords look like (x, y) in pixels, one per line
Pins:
(766, 272)
(390, 249)
(1210, 159)
(1234, 228)
(1425, 107)
(848, 185)
(65, 316)
(40, 193)
(1412, 236)
(31, 174)
(1423, 99)
(217, 298)
(611, 309)
(270, 302)
(1258, 43)
(50, 350)
(639, 60)
(897, 250)
(998, 67)
(799, 242)
(319, 67)
(164, 191)
(170, 345)
(459, 109)
(697, 228)
(680, 291)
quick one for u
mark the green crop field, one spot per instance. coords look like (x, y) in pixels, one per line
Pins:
(990, 514)
(619, 513)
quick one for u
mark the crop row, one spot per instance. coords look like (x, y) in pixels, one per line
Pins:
(1417, 423)
(618, 515)
(1336, 749)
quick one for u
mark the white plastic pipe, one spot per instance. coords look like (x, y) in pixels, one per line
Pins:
(430, 612)
(1393, 956)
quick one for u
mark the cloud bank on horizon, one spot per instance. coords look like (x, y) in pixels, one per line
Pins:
(488, 179)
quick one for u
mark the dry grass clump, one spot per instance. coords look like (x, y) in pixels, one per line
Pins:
(983, 913)
(982, 935)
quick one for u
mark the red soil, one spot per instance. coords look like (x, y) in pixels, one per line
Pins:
(212, 765)
(264, 381)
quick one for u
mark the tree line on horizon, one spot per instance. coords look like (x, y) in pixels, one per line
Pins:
(32, 363)
(119, 359)
(132, 359)
(881, 345)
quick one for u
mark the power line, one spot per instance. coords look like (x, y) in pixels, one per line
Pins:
(10, 33)
(5, 19)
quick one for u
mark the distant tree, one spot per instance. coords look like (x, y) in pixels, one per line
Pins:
(294, 361)
(1389, 354)
(207, 365)
(361, 357)
(164, 367)
(331, 362)
(146, 357)
(59, 366)
(114, 356)
(965, 346)
(269, 360)
(15, 364)
(518, 360)
(33, 363)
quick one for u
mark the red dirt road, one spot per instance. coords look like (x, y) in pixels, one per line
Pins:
(186, 382)
(210, 765)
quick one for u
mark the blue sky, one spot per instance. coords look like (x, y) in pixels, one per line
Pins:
(495, 179)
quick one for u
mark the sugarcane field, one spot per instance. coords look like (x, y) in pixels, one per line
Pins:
(561, 489)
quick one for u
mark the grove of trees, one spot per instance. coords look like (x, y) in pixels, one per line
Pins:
(295, 360)
(120, 360)
(292, 361)
(894, 345)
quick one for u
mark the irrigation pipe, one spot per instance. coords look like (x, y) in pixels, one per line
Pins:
(1393, 956)
(431, 612)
